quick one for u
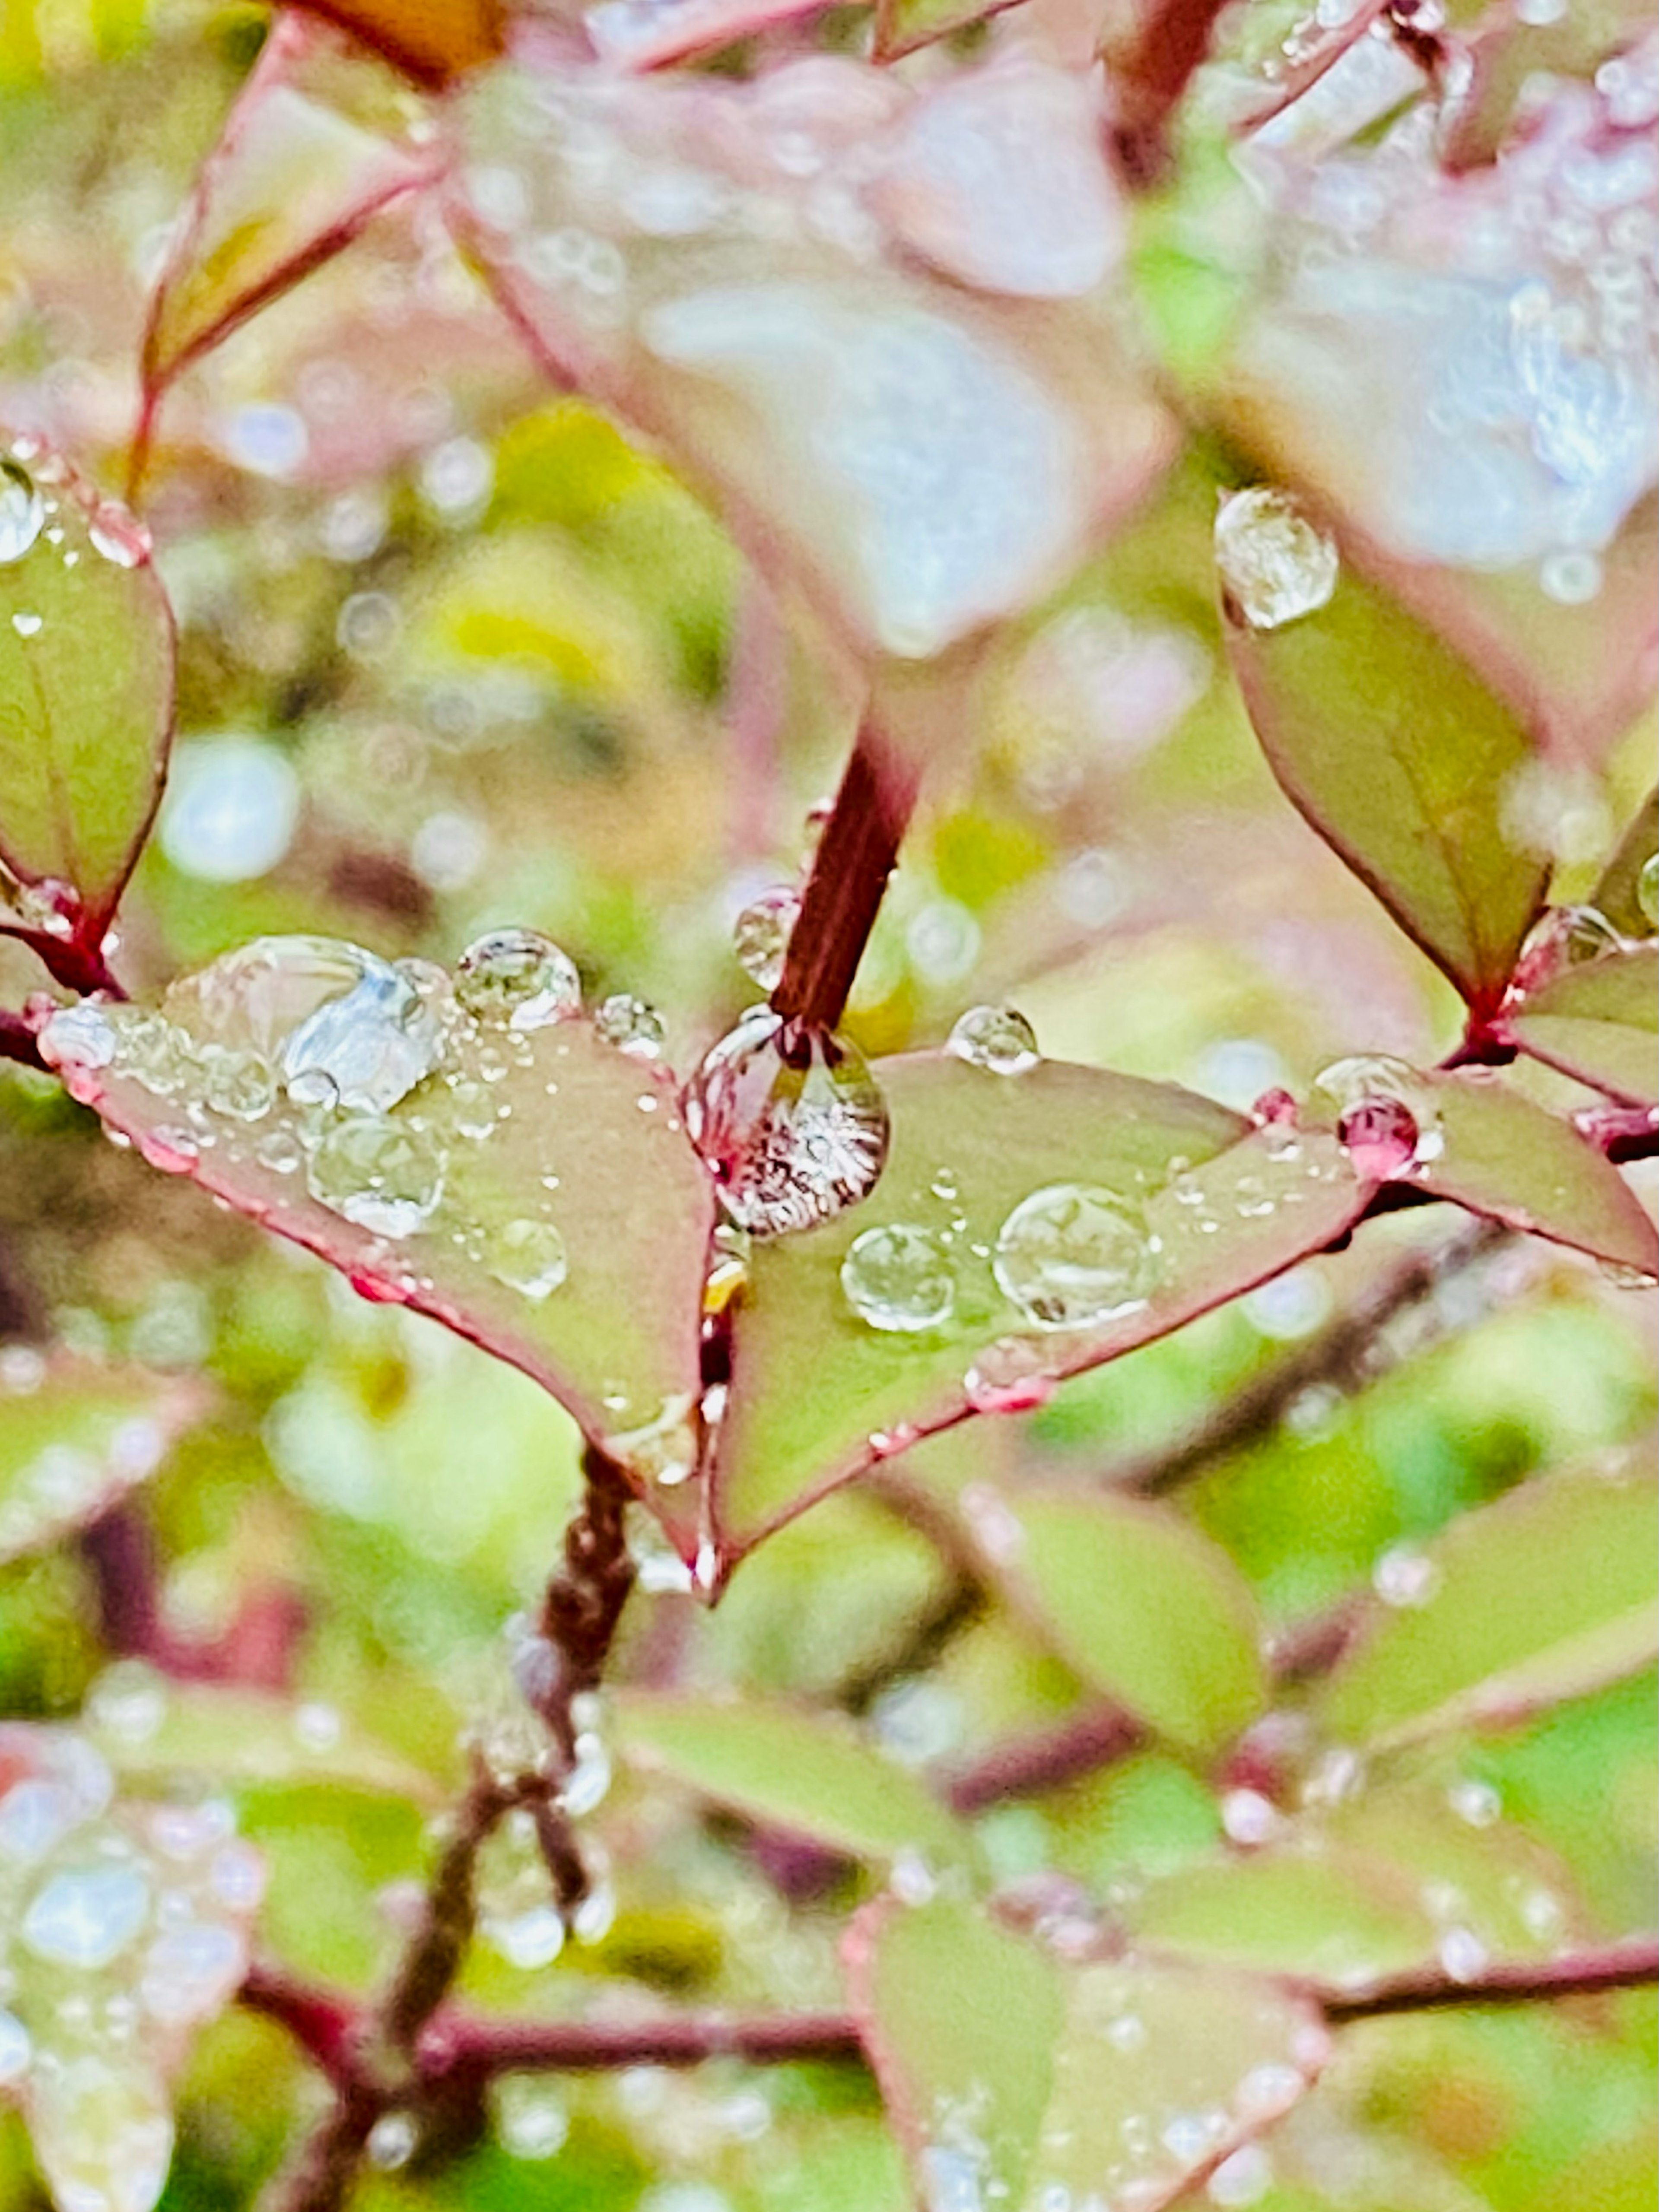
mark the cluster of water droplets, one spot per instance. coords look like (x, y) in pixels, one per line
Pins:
(49, 518)
(122, 1927)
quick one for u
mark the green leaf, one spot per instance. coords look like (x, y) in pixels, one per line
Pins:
(1599, 1022)
(318, 142)
(73, 1436)
(1550, 1592)
(792, 1769)
(1145, 1606)
(1503, 1155)
(1398, 756)
(904, 26)
(1303, 1909)
(1014, 2077)
(544, 1198)
(818, 1394)
(1617, 896)
(86, 691)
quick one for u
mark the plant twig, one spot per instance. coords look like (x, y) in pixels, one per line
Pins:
(1625, 1965)
(460, 2044)
(18, 1041)
(1026, 1766)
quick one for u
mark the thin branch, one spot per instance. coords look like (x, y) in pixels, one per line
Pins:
(1621, 1967)
(1149, 74)
(1026, 1766)
(18, 1041)
(456, 2044)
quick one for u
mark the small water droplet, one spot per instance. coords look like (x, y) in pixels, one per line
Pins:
(1404, 1577)
(118, 535)
(530, 2115)
(789, 1121)
(1248, 1819)
(586, 1786)
(1387, 1121)
(1476, 1801)
(1009, 1376)
(86, 1917)
(1566, 937)
(997, 1038)
(1243, 2179)
(376, 1172)
(760, 935)
(1647, 890)
(898, 1278)
(1462, 1954)
(15, 2049)
(527, 1257)
(27, 625)
(1275, 565)
(391, 2142)
(237, 1085)
(1572, 578)
(630, 1024)
(517, 979)
(1072, 1254)
(21, 511)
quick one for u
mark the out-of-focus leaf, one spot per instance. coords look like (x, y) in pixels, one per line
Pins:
(1548, 1592)
(1014, 2078)
(531, 1188)
(86, 694)
(123, 1928)
(319, 140)
(152, 1731)
(1398, 754)
(1145, 1606)
(1323, 1914)
(73, 1437)
(954, 324)
(792, 1769)
(1617, 895)
(1600, 1022)
(637, 35)
(432, 40)
(1504, 1156)
(903, 25)
(817, 1394)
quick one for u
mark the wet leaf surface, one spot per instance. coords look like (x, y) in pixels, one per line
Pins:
(1599, 1022)
(1618, 896)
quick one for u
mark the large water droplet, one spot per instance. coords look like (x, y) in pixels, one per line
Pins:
(86, 1917)
(21, 511)
(518, 979)
(1072, 1254)
(899, 1277)
(1387, 1121)
(760, 935)
(630, 1024)
(994, 1037)
(374, 1171)
(1275, 565)
(528, 1256)
(789, 1121)
(1566, 937)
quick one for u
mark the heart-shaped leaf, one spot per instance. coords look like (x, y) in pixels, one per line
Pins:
(1618, 896)
(530, 1187)
(1189, 1205)
(321, 137)
(431, 40)
(73, 1437)
(1394, 748)
(1548, 1592)
(85, 696)
(1143, 1605)
(808, 1772)
(1015, 2077)
(1599, 1022)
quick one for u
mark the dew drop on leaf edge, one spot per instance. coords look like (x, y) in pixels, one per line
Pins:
(1275, 565)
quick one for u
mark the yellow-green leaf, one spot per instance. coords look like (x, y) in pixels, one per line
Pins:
(1599, 1022)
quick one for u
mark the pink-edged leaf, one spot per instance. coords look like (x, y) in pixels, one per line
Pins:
(809, 1773)
(818, 1393)
(1400, 757)
(647, 35)
(1017, 2077)
(888, 353)
(321, 137)
(85, 696)
(903, 26)
(532, 1188)
(1618, 896)
(433, 41)
(75, 1436)
(1420, 353)
(1549, 1593)
(1598, 1022)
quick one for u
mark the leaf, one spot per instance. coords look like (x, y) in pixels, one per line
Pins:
(1598, 1022)
(86, 694)
(792, 1769)
(904, 26)
(543, 1199)
(73, 1436)
(432, 40)
(321, 137)
(1549, 1593)
(1399, 755)
(818, 1394)
(1617, 896)
(123, 1928)
(636, 38)
(1144, 1606)
(1504, 1156)
(1014, 2077)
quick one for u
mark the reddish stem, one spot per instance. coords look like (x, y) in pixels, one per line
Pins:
(17, 1040)
(455, 2043)
(1621, 1967)
(855, 857)
(324, 2022)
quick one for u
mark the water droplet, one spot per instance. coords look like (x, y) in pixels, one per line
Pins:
(103, 2134)
(630, 1024)
(27, 625)
(1072, 1254)
(1476, 1801)
(1566, 937)
(1387, 1121)
(1572, 578)
(663, 1449)
(1404, 1577)
(21, 511)
(1250, 1818)
(898, 1278)
(377, 1173)
(79, 1036)
(391, 2142)
(15, 2049)
(86, 1917)
(237, 1085)
(1275, 565)
(994, 1037)
(517, 979)
(789, 1121)
(1462, 1954)
(1647, 890)
(530, 2115)
(760, 935)
(1009, 1376)
(527, 1257)
(586, 1786)
(118, 535)
(231, 808)
(189, 1972)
